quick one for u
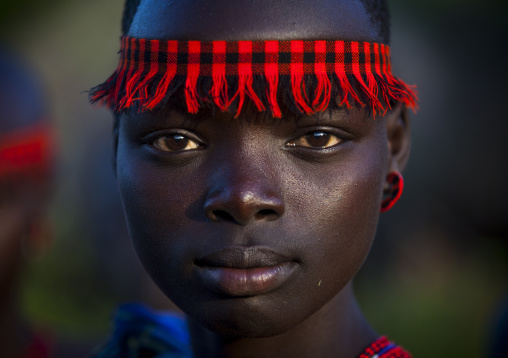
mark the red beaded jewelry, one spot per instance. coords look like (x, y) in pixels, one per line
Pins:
(396, 185)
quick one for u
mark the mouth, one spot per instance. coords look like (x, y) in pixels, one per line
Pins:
(244, 272)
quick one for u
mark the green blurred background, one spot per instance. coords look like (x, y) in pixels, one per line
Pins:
(437, 275)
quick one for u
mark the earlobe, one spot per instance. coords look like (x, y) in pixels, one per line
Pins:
(399, 147)
(399, 138)
(392, 191)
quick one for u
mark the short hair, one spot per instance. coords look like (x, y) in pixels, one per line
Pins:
(380, 17)
(377, 9)
(131, 6)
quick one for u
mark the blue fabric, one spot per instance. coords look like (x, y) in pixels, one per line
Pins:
(142, 333)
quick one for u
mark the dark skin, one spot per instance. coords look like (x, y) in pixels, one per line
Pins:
(256, 226)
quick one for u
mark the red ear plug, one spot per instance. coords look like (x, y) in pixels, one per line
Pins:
(396, 185)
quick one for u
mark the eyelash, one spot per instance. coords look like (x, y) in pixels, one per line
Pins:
(182, 142)
(322, 136)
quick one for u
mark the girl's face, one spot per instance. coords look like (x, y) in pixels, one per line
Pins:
(251, 225)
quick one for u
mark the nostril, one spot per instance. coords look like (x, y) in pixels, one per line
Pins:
(266, 214)
(223, 215)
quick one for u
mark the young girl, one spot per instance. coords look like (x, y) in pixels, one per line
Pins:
(256, 144)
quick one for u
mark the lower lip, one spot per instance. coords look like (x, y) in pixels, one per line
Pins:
(238, 282)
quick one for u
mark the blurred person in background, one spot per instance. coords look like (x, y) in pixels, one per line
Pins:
(25, 183)
(26, 180)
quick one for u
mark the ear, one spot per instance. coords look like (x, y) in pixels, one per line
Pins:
(398, 132)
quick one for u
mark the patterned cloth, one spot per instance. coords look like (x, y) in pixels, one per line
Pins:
(305, 75)
(383, 348)
(141, 333)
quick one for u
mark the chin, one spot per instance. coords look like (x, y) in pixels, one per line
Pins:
(244, 328)
(245, 320)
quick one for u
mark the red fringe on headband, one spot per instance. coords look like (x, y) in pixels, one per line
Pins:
(304, 75)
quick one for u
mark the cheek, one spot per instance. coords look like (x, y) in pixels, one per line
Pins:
(155, 212)
(341, 215)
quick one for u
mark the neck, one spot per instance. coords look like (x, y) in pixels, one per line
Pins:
(338, 329)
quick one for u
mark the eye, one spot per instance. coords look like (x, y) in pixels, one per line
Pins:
(318, 139)
(175, 143)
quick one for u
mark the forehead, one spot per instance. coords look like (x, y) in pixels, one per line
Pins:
(253, 20)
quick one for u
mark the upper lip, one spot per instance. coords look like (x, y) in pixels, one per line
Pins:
(243, 258)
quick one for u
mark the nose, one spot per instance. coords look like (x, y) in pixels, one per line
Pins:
(243, 194)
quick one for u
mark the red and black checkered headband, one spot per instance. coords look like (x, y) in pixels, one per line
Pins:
(304, 75)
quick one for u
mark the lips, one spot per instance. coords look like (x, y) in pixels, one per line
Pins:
(243, 272)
